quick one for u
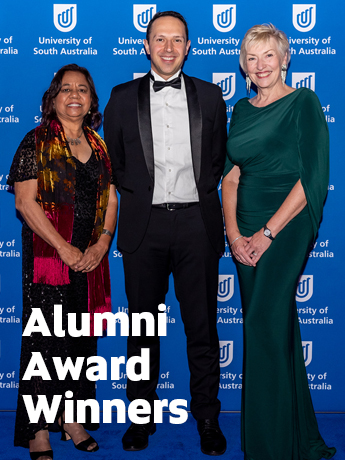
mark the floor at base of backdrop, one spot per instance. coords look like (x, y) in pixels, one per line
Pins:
(170, 442)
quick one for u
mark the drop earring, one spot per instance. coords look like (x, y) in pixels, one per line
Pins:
(248, 84)
(283, 73)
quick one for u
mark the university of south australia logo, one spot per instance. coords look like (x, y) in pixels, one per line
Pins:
(226, 352)
(225, 287)
(303, 80)
(307, 352)
(142, 15)
(304, 17)
(227, 82)
(65, 16)
(224, 17)
(304, 288)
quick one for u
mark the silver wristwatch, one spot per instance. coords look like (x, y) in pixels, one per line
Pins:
(107, 232)
(267, 232)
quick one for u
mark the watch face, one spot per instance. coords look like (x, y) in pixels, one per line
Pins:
(267, 232)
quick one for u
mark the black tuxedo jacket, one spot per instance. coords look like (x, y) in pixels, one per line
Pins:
(128, 135)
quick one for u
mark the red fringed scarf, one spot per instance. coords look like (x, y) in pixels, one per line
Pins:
(55, 194)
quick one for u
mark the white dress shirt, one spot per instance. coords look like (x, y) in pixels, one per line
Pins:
(174, 180)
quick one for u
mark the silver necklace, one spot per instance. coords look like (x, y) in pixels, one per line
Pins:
(76, 141)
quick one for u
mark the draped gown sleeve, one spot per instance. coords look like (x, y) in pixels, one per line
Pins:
(313, 151)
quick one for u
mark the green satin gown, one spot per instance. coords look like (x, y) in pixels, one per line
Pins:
(274, 147)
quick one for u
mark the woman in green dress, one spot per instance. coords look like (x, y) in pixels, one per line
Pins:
(275, 183)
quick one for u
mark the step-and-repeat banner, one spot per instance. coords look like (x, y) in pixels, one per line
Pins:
(37, 38)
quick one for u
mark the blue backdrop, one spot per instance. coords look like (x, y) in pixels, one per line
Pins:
(37, 38)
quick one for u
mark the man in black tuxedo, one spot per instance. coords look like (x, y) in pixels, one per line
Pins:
(166, 135)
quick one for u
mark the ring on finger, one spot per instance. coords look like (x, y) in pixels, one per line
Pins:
(254, 253)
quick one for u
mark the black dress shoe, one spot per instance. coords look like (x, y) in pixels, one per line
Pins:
(211, 437)
(137, 436)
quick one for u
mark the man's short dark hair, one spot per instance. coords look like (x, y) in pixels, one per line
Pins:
(162, 14)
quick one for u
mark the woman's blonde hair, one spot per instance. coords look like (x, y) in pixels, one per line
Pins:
(262, 33)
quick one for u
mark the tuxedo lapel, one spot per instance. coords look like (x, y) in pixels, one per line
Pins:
(144, 121)
(195, 124)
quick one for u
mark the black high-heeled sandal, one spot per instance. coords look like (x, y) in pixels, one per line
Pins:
(37, 455)
(82, 445)
(47, 453)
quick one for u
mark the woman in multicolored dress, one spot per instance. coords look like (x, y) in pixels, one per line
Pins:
(62, 179)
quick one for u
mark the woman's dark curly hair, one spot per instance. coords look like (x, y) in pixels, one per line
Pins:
(93, 119)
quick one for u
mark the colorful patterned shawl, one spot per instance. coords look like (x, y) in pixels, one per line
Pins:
(55, 194)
